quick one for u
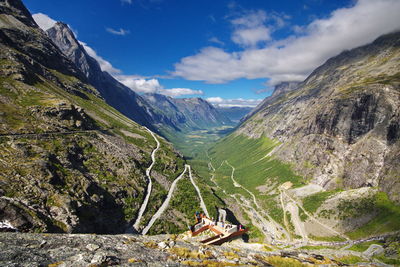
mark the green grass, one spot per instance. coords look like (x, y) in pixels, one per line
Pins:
(253, 168)
(361, 247)
(313, 202)
(351, 259)
(387, 219)
(391, 261)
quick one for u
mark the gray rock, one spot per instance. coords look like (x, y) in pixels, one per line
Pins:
(373, 250)
(162, 245)
(92, 247)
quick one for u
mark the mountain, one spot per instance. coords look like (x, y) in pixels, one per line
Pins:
(279, 90)
(115, 93)
(156, 111)
(346, 107)
(320, 159)
(69, 161)
(187, 113)
(234, 113)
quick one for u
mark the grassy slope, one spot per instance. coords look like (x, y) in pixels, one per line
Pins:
(17, 117)
(253, 168)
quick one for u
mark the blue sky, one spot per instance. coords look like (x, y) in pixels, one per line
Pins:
(225, 51)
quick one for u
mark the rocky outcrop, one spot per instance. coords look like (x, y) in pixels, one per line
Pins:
(340, 126)
(162, 250)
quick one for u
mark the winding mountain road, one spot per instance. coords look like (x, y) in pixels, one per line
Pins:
(150, 184)
(202, 204)
(165, 204)
(315, 219)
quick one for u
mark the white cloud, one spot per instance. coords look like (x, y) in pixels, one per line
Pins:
(216, 40)
(294, 58)
(104, 64)
(251, 19)
(43, 21)
(174, 92)
(121, 31)
(251, 37)
(250, 28)
(142, 85)
(238, 102)
(139, 85)
(126, 2)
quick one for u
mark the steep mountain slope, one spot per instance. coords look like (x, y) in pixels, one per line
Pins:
(187, 113)
(321, 158)
(279, 90)
(343, 120)
(69, 161)
(234, 113)
(163, 114)
(116, 94)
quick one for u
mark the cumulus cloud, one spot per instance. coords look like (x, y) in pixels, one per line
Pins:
(251, 37)
(294, 58)
(174, 92)
(238, 102)
(121, 31)
(250, 28)
(143, 85)
(43, 21)
(140, 85)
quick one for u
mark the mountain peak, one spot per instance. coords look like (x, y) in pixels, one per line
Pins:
(65, 39)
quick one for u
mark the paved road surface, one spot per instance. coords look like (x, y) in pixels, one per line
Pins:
(165, 204)
(150, 184)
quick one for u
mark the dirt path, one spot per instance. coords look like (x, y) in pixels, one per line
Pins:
(150, 184)
(165, 204)
(299, 227)
(202, 204)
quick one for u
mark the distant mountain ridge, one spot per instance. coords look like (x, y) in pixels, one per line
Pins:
(234, 113)
(188, 113)
(115, 93)
(165, 113)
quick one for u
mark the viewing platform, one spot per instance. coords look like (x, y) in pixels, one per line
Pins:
(223, 231)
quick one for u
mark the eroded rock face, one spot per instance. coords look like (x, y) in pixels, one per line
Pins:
(341, 125)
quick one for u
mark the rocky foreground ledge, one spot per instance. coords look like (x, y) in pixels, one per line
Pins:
(22, 249)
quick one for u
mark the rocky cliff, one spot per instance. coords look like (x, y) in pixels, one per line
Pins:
(70, 162)
(340, 127)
